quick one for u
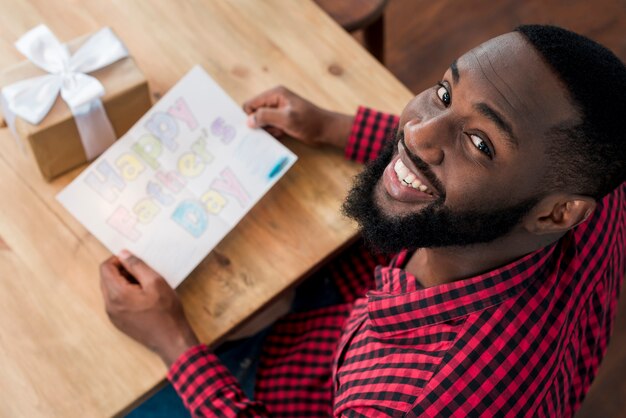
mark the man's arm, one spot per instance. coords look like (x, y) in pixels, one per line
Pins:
(208, 388)
(370, 131)
(149, 311)
(142, 305)
(282, 112)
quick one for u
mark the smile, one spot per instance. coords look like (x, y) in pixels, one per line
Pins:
(409, 179)
(404, 184)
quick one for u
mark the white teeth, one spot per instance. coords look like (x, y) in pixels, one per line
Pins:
(402, 172)
(407, 178)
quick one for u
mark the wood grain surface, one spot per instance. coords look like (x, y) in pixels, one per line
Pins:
(59, 355)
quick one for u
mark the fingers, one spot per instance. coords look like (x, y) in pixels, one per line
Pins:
(265, 116)
(275, 132)
(112, 283)
(137, 268)
(269, 98)
(272, 130)
(280, 111)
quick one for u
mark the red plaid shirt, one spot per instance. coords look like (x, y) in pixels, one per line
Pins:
(525, 339)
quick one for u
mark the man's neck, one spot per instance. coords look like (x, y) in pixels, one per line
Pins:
(435, 266)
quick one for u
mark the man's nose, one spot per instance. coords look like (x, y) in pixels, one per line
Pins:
(426, 139)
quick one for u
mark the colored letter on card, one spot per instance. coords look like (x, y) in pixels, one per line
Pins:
(190, 165)
(229, 184)
(129, 166)
(155, 190)
(191, 216)
(213, 202)
(181, 111)
(172, 180)
(107, 183)
(223, 130)
(124, 222)
(164, 127)
(200, 149)
(146, 210)
(149, 149)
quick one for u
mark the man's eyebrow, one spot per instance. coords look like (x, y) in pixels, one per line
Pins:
(497, 118)
(455, 72)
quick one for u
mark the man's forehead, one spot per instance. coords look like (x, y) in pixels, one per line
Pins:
(505, 50)
(507, 72)
(500, 62)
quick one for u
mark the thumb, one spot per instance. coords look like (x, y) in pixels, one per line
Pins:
(268, 116)
(139, 270)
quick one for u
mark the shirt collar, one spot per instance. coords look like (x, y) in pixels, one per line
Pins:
(400, 302)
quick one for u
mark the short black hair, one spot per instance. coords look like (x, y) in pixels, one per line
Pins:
(588, 154)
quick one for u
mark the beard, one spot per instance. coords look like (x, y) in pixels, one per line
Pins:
(436, 225)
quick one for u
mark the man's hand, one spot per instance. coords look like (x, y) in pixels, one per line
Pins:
(142, 305)
(281, 112)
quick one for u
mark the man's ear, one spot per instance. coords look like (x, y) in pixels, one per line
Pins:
(558, 213)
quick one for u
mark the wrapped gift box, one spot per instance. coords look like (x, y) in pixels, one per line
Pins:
(55, 142)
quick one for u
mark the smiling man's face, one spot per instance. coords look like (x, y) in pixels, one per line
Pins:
(470, 153)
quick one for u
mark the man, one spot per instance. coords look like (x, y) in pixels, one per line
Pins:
(502, 190)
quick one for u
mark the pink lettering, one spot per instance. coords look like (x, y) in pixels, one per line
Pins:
(124, 222)
(229, 184)
(171, 179)
(181, 111)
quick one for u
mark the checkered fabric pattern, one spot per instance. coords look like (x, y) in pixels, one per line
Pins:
(370, 130)
(525, 339)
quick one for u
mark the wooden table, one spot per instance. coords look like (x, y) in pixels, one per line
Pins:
(59, 355)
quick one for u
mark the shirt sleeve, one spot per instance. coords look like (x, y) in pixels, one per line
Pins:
(207, 387)
(370, 131)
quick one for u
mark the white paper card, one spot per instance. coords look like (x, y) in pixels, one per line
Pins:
(179, 180)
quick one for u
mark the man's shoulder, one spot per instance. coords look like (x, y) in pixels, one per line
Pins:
(606, 225)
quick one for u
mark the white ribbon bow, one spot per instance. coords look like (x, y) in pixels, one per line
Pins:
(32, 99)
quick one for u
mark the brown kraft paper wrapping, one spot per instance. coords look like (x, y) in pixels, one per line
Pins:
(55, 143)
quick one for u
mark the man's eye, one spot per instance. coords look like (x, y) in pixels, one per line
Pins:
(481, 145)
(443, 94)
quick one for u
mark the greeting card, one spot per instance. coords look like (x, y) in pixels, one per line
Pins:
(179, 180)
